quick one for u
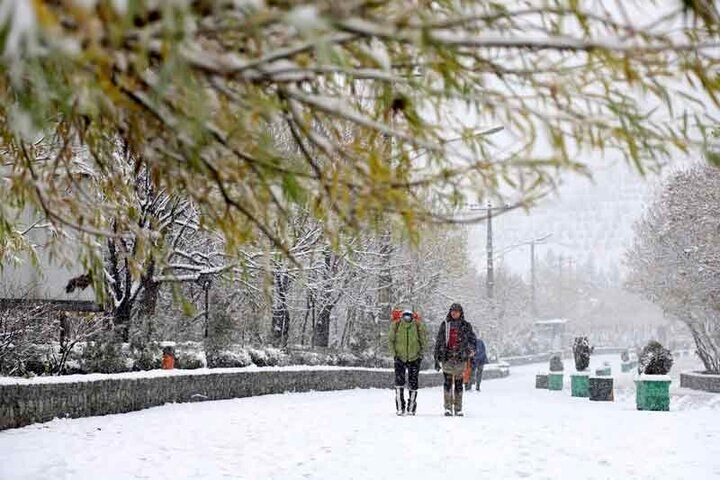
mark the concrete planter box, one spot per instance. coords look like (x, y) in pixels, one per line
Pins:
(652, 392)
(600, 389)
(700, 381)
(555, 381)
(541, 381)
(579, 385)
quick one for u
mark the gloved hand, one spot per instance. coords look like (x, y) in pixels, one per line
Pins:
(437, 366)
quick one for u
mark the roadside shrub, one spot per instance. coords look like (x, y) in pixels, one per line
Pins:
(147, 357)
(189, 358)
(655, 359)
(229, 358)
(581, 353)
(556, 363)
(105, 356)
(625, 356)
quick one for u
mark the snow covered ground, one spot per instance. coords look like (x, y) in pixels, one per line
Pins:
(510, 430)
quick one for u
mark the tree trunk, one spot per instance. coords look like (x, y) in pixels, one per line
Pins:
(280, 311)
(321, 332)
(705, 347)
(308, 305)
(321, 335)
(385, 289)
(347, 328)
(122, 317)
(148, 301)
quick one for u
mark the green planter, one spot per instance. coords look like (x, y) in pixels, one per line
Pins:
(603, 372)
(628, 366)
(555, 381)
(579, 385)
(652, 393)
(541, 381)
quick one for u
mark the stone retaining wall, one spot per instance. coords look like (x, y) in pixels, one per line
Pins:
(25, 403)
(700, 381)
(527, 359)
(545, 356)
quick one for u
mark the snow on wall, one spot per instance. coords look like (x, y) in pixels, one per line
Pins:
(700, 381)
(33, 401)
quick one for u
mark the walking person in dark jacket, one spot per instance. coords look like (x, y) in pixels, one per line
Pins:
(478, 364)
(407, 341)
(454, 345)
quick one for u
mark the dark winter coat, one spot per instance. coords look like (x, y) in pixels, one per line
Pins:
(466, 339)
(480, 357)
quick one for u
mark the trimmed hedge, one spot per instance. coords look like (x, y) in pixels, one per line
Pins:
(102, 357)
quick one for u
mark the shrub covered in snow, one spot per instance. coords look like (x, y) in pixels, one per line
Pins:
(106, 356)
(625, 356)
(556, 363)
(268, 357)
(345, 359)
(581, 353)
(189, 356)
(147, 356)
(655, 359)
(229, 358)
(304, 357)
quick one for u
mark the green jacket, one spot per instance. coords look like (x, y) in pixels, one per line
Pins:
(407, 340)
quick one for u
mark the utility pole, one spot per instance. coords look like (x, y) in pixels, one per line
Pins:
(533, 302)
(490, 277)
(490, 273)
(533, 276)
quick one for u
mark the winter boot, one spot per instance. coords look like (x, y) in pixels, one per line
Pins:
(412, 402)
(400, 400)
(448, 403)
(457, 404)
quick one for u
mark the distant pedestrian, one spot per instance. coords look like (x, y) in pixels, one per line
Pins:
(478, 365)
(454, 345)
(407, 341)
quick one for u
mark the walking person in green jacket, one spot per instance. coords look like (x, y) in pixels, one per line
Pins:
(407, 341)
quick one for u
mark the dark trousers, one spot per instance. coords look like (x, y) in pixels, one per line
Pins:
(412, 369)
(448, 384)
(476, 376)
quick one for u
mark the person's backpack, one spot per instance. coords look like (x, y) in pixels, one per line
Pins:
(396, 318)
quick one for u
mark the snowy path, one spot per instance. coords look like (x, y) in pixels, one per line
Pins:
(511, 431)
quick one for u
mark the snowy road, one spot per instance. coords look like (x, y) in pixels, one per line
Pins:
(511, 431)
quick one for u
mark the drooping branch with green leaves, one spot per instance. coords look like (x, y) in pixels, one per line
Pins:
(367, 113)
